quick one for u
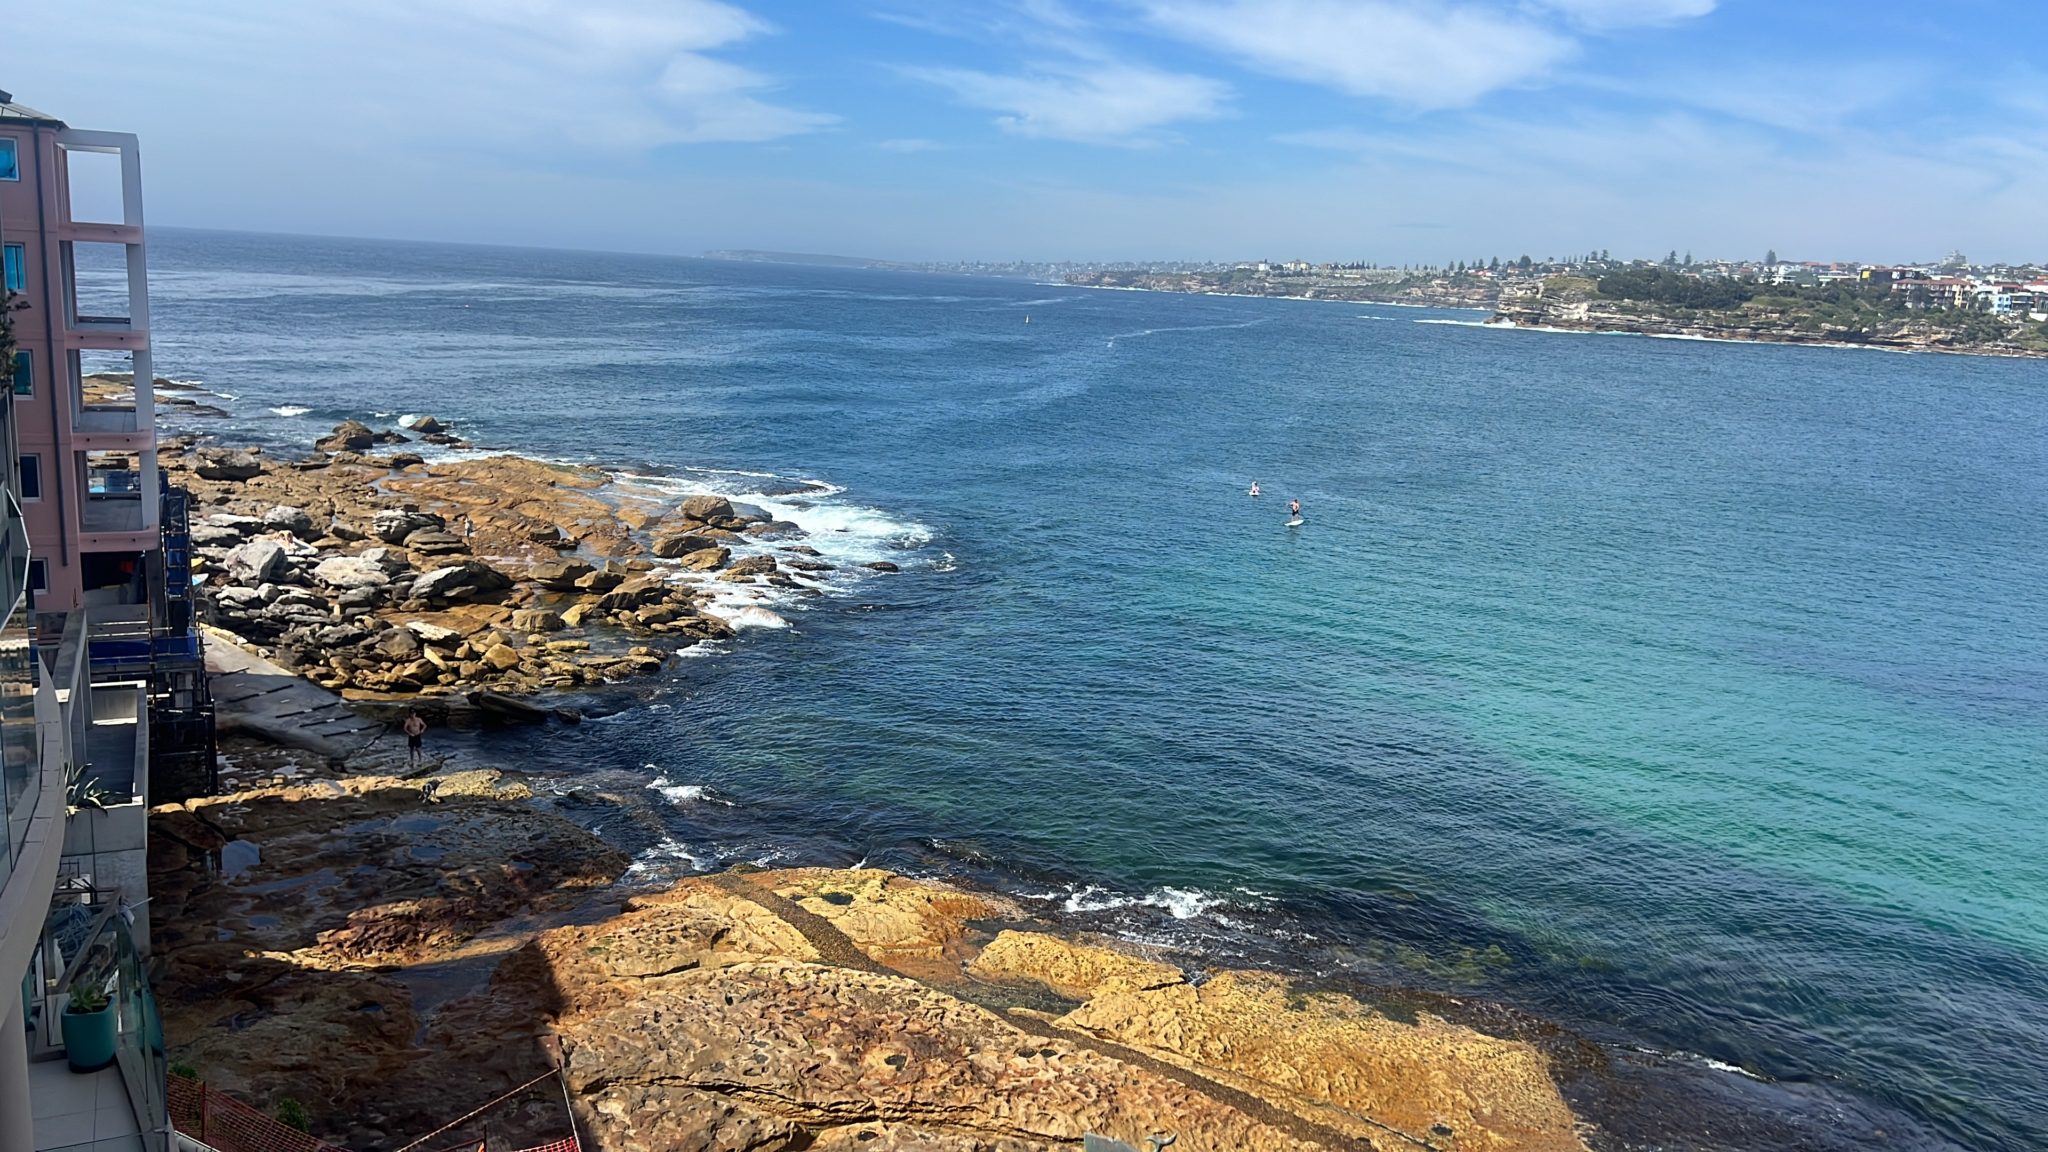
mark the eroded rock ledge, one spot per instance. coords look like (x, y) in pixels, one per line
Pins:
(407, 949)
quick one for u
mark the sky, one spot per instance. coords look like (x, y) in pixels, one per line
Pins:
(1397, 131)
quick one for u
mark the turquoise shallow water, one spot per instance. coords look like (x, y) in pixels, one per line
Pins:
(1705, 682)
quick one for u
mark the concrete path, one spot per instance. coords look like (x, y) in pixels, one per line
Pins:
(253, 695)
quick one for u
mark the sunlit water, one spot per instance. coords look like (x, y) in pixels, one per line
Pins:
(1705, 682)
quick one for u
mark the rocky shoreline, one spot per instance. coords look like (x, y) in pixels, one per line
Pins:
(392, 952)
(486, 580)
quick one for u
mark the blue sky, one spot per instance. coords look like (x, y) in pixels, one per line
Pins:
(1390, 130)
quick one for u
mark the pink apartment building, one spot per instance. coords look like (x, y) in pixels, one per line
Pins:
(88, 476)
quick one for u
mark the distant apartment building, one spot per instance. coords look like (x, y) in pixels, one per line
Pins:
(103, 697)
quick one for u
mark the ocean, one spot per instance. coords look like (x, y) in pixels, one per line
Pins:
(1691, 695)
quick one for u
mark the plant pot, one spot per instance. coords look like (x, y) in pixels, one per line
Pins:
(89, 1039)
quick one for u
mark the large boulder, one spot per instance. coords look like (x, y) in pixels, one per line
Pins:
(351, 572)
(672, 547)
(465, 581)
(214, 464)
(348, 436)
(435, 634)
(206, 535)
(422, 424)
(285, 518)
(393, 525)
(559, 575)
(708, 509)
(706, 559)
(536, 620)
(257, 561)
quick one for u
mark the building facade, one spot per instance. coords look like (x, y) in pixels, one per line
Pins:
(82, 375)
(92, 645)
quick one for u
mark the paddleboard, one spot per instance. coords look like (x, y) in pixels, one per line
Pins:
(1294, 523)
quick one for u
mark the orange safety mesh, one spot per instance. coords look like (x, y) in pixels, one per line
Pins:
(220, 1121)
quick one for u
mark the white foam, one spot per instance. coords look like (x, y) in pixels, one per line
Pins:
(289, 410)
(746, 615)
(1180, 903)
(663, 858)
(676, 793)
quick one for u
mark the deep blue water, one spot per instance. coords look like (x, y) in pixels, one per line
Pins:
(1704, 681)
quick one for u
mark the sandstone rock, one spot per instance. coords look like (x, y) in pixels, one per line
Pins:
(1329, 1049)
(422, 424)
(713, 509)
(671, 547)
(405, 459)
(503, 657)
(348, 436)
(599, 581)
(398, 644)
(558, 575)
(435, 634)
(465, 581)
(658, 614)
(217, 465)
(576, 614)
(750, 566)
(256, 561)
(536, 620)
(707, 559)
(435, 542)
(682, 1064)
(350, 572)
(393, 525)
(884, 566)
(1076, 971)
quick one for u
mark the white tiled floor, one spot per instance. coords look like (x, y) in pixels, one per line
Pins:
(74, 1108)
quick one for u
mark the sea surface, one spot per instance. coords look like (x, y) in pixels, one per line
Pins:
(1692, 695)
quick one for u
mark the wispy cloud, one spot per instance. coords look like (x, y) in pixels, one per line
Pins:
(1424, 56)
(1089, 101)
(1604, 15)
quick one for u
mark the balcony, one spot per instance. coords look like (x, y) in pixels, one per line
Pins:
(113, 514)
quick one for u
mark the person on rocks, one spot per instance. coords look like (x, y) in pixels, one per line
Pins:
(415, 728)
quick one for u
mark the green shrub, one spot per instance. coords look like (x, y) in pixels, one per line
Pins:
(292, 1114)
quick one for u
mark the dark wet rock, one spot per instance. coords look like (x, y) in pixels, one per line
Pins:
(348, 436)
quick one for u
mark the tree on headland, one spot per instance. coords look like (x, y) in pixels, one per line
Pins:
(1688, 259)
(1771, 257)
(1671, 261)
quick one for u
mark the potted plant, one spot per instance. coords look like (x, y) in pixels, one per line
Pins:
(88, 1028)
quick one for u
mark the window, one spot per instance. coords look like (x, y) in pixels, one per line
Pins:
(10, 163)
(24, 372)
(31, 478)
(39, 576)
(17, 267)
